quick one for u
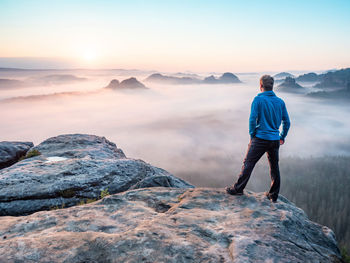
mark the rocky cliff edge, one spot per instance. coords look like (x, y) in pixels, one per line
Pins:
(169, 225)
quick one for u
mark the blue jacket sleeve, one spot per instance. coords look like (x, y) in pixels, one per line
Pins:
(254, 115)
(285, 122)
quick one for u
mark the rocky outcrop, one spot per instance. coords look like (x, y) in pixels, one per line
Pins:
(228, 77)
(159, 78)
(187, 74)
(169, 225)
(210, 80)
(11, 152)
(333, 85)
(309, 77)
(130, 83)
(283, 75)
(337, 79)
(114, 84)
(225, 78)
(290, 85)
(73, 168)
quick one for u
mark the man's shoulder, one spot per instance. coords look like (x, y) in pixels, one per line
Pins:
(257, 98)
(267, 99)
(279, 99)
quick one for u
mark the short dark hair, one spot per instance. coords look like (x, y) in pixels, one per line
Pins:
(266, 82)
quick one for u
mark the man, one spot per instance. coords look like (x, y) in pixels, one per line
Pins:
(267, 113)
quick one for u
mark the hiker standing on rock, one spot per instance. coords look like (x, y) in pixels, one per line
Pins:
(267, 114)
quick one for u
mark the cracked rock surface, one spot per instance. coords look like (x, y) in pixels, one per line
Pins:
(169, 225)
(74, 168)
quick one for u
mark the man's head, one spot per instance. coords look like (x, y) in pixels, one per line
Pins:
(266, 83)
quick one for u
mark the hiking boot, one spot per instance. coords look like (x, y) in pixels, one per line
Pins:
(232, 191)
(269, 196)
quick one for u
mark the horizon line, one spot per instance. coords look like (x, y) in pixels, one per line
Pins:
(152, 70)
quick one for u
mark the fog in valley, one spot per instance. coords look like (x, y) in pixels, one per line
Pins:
(197, 132)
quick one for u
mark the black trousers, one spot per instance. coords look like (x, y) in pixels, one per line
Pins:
(256, 148)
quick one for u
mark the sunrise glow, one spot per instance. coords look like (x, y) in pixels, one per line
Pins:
(178, 35)
(89, 55)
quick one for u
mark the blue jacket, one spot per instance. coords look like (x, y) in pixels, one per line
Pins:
(267, 113)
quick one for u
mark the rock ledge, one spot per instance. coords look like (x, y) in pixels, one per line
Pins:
(73, 168)
(169, 225)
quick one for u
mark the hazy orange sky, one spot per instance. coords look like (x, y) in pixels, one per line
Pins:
(236, 36)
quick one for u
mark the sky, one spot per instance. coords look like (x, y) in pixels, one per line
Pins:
(179, 35)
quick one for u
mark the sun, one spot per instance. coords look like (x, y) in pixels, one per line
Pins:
(89, 55)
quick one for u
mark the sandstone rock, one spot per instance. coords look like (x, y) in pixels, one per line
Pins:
(334, 79)
(225, 78)
(229, 77)
(10, 152)
(290, 85)
(169, 225)
(210, 80)
(283, 75)
(130, 83)
(71, 169)
(159, 78)
(309, 77)
(113, 84)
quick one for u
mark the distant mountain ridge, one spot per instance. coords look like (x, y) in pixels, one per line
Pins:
(11, 83)
(127, 84)
(335, 79)
(53, 79)
(130, 83)
(331, 79)
(290, 85)
(283, 75)
(334, 85)
(225, 78)
(330, 85)
(159, 78)
(309, 77)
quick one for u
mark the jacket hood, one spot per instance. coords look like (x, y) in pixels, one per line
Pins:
(267, 93)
